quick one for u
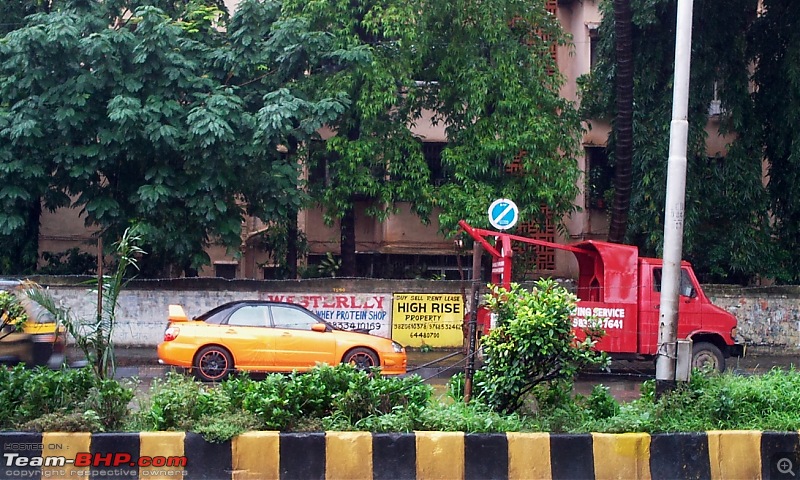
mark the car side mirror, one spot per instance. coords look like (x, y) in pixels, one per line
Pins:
(319, 327)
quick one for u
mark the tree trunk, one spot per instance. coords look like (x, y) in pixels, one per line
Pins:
(348, 243)
(623, 125)
(291, 245)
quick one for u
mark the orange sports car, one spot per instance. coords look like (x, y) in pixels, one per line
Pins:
(264, 336)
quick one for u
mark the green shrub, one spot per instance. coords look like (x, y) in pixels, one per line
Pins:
(12, 313)
(31, 397)
(26, 394)
(224, 426)
(532, 344)
(177, 402)
(109, 399)
(601, 404)
(88, 421)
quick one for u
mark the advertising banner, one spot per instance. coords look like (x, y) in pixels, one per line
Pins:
(428, 319)
(349, 311)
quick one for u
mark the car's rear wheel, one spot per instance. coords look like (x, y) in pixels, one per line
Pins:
(213, 364)
(361, 358)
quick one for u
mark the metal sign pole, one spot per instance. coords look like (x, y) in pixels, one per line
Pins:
(472, 327)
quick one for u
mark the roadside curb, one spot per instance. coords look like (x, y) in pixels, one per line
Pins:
(429, 455)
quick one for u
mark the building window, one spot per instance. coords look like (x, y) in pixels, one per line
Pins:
(599, 178)
(225, 270)
(271, 272)
(594, 38)
(432, 151)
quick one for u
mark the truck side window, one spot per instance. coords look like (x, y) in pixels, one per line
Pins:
(657, 279)
(686, 288)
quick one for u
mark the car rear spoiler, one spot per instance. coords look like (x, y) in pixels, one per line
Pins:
(177, 314)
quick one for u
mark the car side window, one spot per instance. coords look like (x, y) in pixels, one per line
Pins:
(294, 318)
(249, 316)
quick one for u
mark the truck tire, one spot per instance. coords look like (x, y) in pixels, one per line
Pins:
(706, 355)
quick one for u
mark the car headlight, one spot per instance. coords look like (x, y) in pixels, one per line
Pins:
(397, 347)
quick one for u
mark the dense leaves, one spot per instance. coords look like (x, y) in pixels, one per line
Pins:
(727, 227)
(173, 116)
(495, 87)
(533, 344)
(163, 121)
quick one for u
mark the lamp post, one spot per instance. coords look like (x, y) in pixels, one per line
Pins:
(675, 201)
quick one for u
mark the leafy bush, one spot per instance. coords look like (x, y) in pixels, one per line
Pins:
(12, 312)
(109, 400)
(315, 400)
(26, 395)
(88, 421)
(533, 343)
(177, 402)
(29, 394)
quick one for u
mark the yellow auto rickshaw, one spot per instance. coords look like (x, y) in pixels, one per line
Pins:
(28, 333)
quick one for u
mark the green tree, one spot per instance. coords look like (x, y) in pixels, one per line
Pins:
(494, 84)
(776, 51)
(135, 116)
(726, 228)
(373, 161)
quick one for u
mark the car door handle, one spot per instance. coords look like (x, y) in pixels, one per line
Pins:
(657, 307)
(230, 330)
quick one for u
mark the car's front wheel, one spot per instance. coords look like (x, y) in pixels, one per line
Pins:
(361, 358)
(213, 364)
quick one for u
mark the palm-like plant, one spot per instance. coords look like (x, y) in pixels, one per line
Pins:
(93, 336)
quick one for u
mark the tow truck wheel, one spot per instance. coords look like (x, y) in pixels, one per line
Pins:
(707, 356)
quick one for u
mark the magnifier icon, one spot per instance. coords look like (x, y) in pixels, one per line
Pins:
(786, 466)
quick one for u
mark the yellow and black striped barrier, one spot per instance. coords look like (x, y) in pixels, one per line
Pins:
(417, 455)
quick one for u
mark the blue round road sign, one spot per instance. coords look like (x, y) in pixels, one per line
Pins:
(503, 214)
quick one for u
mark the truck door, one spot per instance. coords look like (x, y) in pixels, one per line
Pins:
(689, 309)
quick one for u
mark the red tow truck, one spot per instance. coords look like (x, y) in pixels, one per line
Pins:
(622, 291)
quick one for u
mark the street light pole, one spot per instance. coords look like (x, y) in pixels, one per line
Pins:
(675, 202)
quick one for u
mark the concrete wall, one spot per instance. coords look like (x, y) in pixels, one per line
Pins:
(769, 317)
(415, 455)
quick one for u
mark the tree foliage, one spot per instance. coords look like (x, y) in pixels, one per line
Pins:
(167, 122)
(495, 86)
(727, 230)
(776, 52)
(373, 161)
(174, 117)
